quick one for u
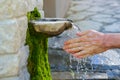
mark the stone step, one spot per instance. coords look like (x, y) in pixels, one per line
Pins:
(78, 76)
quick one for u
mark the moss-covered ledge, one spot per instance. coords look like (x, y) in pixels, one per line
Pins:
(37, 38)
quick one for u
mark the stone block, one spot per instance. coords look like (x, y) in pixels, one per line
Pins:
(12, 8)
(115, 27)
(10, 78)
(31, 4)
(12, 64)
(40, 4)
(24, 75)
(9, 65)
(42, 13)
(23, 56)
(23, 25)
(12, 35)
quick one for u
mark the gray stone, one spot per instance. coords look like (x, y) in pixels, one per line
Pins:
(104, 20)
(40, 4)
(62, 75)
(75, 75)
(12, 8)
(96, 9)
(80, 15)
(87, 25)
(79, 2)
(117, 16)
(106, 58)
(12, 35)
(11, 64)
(10, 78)
(79, 8)
(102, 16)
(23, 74)
(112, 28)
(109, 11)
(23, 25)
(31, 4)
(23, 56)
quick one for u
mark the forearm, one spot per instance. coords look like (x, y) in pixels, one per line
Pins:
(112, 40)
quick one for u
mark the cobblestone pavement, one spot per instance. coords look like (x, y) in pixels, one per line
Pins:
(100, 15)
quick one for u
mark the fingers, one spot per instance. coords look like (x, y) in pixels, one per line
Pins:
(74, 50)
(74, 45)
(81, 54)
(77, 40)
(69, 46)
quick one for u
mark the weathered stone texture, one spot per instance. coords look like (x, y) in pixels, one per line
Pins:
(12, 35)
(13, 27)
(10, 78)
(14, 64)
(9, 65)
(17, 8)
(12, 8)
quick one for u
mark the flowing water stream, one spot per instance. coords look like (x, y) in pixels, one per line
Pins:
(86, 65)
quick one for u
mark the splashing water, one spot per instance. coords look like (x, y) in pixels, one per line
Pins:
(81, 63)
(82, 66)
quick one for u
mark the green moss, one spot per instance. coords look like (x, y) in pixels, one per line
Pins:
(38, 65)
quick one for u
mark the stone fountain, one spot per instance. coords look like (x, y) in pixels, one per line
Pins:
(37, 36)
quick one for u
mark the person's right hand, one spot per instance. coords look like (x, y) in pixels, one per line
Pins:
(88, 43)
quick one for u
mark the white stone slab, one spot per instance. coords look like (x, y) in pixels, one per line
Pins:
(10, 65)
(12, 35)
(12, 8)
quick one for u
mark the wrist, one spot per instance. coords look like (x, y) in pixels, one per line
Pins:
(107, 41)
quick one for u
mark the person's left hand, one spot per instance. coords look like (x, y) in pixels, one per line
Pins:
(88, 43)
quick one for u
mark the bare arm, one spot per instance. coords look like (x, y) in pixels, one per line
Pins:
(91, 42)
(112, 40)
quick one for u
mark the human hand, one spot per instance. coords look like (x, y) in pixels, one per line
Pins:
(86, 44)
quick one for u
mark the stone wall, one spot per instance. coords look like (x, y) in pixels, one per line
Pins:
(13, 26)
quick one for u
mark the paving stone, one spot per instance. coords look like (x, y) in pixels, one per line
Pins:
(79, 8)
(109, 11)
(79, 2)
(96, 9)
(104, 20)
(80, 15)
(86, 25)
(112, 28)
(74, 76)
(101, 15)
(117, 16)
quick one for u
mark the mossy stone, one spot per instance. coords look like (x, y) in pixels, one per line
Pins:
(38, 65)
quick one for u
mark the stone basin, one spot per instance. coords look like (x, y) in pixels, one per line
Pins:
(51, 26)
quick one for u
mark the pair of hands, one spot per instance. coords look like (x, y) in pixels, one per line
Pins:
(86, 44)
